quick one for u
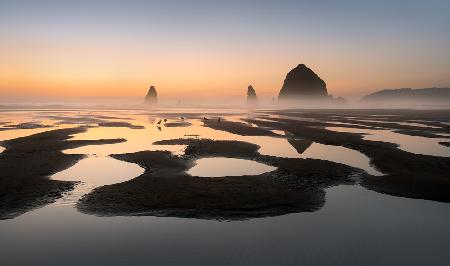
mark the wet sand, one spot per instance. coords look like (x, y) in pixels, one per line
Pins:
(237, 128)
(177, 124)
(166, 190)
(407, 174)
(26, 165)
(297, 185)
(120, 124)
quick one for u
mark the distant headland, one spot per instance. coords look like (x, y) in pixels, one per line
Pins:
(408, 95)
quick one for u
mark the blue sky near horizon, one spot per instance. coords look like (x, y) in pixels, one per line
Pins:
(355, 46)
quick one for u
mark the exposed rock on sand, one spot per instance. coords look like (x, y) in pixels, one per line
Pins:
(28, 125)
(302, 83)
(178, 124)
(27, 163)
(120, 124)
(152, 96)
(238, 128)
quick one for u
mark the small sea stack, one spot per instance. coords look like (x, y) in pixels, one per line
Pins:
(152, 96)
(252, 99)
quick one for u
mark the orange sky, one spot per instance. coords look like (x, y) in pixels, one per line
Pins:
(95, 69)
(89, 52)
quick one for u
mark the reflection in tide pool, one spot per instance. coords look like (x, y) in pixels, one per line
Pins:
(281, 147)
(1, 149)
(218, 166)
(413, 144)
(340, 155)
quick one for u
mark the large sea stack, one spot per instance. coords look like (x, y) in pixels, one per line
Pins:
(302, 83)
(251, 95)
(152, 96)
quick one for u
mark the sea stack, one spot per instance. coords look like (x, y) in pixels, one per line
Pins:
(251, 95)
(302, 83)
(152, 96)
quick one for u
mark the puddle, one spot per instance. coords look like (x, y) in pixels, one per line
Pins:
(100, 171)
(94, 172)
(220, 166)
(340, 155)
(413, 144)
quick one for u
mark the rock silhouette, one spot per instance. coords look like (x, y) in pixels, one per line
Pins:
(301, 82)
(152, 96)
(251, 95)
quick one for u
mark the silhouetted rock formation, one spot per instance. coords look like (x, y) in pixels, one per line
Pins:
(251, 95)
(301, 82)
(152, 96)
(408, 95)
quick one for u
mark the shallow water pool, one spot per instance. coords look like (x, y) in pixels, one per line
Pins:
(220, 166)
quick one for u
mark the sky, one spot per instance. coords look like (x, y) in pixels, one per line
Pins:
(217, 48)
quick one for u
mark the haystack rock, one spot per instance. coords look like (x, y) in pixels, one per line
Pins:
(152, 96)
(302, 83)
(251, 95)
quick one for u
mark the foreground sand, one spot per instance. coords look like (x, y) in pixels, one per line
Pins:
(26, 165)
(165, 189)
